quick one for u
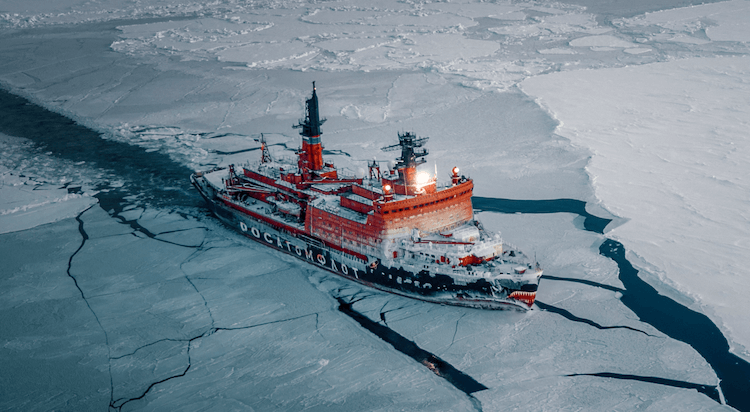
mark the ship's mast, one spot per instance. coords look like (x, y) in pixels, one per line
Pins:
(409, 157)
(311, 155)
(409, 160)
(374, 168)
(265, 155)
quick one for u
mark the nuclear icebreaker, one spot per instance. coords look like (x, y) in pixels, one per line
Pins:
(396, 230)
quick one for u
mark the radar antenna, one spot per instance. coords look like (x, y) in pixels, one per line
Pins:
(407, 142)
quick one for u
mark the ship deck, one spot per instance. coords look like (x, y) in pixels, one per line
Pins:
(332, 205)
(265, 211)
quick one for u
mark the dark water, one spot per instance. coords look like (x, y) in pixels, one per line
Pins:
(591, 223)
(661, 312)
(460, 380)
(153, 176)
(679, 322)
(159, 181)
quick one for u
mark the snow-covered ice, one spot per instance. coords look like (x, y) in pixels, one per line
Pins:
(109, 299)
(672, 162)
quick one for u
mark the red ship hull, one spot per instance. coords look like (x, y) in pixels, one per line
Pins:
(399, 232)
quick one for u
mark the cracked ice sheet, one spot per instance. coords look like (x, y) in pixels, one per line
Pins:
(75, 86)
(672, 162)
(393, 44)
(242, 323)
(303, 353)
(523, 357)
(172, 66)
(52, 350)
(724, 21)
(515, 138)
(530, 353)
(326, 363)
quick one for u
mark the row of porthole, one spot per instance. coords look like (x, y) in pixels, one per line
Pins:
(408, 280)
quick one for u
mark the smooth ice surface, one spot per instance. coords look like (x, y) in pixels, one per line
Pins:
(138, 306)
(724, 21)
(155, 308)
(671, 162)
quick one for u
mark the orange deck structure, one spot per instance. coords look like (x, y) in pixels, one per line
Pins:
(400, 231)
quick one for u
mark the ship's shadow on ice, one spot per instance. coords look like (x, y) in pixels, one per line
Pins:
(663, 313)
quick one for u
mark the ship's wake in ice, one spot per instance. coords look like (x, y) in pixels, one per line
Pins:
(606, 141)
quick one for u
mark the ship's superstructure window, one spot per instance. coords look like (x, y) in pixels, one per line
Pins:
(354, 216)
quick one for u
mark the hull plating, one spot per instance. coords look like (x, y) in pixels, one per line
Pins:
(422, 285)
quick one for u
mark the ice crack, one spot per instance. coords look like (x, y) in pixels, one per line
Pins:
(85, 237)
(585, 282)
(455, 331)
(114, 404)
(567, 315)
(383, 311)
(708, 390)
(120, 402)
(205, 302)
(683, 324)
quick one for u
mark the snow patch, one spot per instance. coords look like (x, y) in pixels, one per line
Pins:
(604, 41)
(673, 162)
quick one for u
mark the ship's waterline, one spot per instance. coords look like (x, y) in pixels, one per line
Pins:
(423, 285)
(397, 230)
